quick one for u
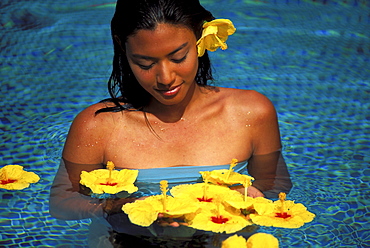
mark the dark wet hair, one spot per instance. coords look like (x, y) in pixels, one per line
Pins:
(134, 15)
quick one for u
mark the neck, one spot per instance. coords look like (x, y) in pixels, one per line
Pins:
(174, 113)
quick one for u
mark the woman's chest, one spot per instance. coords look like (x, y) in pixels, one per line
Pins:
(159, 145)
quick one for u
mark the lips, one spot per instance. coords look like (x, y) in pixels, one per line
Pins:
(171, 92)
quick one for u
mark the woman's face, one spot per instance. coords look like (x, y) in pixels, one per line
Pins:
(164, 61)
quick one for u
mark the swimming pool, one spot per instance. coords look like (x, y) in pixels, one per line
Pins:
(311, 58)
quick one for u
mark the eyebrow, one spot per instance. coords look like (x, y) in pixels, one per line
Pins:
(152, 58)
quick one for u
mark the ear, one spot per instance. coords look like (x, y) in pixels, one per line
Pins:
(119, 42)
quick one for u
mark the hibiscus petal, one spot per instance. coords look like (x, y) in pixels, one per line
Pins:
(141, 212)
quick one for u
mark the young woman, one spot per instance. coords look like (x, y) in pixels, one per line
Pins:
(163, 119)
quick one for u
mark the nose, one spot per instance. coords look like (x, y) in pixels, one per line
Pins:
(165, 74)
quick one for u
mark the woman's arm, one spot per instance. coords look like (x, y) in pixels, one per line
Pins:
(270, 173)
(83, 151)
(267, 164)
(66, 202)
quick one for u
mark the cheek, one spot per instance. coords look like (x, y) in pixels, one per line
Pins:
(190, 70)
(145, 78)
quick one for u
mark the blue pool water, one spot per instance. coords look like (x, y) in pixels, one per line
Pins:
(311, 58)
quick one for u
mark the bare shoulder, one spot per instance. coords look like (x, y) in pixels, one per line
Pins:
(259, 115)
(87, 135)
(89, 119)
(248, 101)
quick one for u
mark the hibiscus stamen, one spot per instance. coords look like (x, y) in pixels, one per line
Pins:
(233, 163)
(164, 189)
(204, 198)
(246, 184)
(218, 219)
(110, 167)
(282, 214)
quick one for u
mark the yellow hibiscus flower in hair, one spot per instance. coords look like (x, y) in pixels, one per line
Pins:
(145, 212)
(262, 240)
(214, 35)
(227, 177)
(286, 214)
(109, 180)
(13, 177)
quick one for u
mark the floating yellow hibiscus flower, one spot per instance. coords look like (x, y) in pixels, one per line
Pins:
(145, 212)
(219, 219)
(109, 180)
(212, 215)
(204, 192)
(250, 205)
(13, 177)
(227, 177)
(286, 214)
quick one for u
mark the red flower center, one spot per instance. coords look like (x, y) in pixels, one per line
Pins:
(203, 199)
(109, 184)
(283, 215)
(219, 219)
(7, 181)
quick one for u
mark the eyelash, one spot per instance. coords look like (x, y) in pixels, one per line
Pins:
(146, 67)
(177, 61)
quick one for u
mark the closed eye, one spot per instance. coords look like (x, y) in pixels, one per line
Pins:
(145, 67)
(178, 61)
